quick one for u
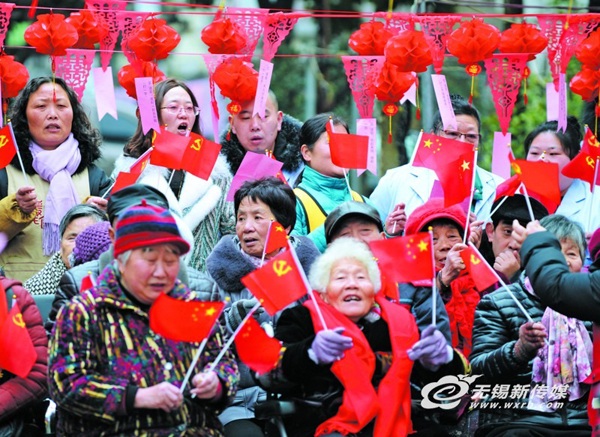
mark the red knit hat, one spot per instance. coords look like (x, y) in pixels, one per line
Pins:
(146, 225)
(431, 210)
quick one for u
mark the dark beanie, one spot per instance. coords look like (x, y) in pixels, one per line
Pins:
(133, 195)
(515, 207)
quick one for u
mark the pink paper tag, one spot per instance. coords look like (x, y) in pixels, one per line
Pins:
(105, 93)
(368, 128)
(500, 161)
(443, 99)
(411, 94)
(551, 102)
(262, 89)
(562, 103)
(254, 166)
(145, 96)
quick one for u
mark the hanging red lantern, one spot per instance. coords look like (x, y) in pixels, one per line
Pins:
(154, 40)
(409, 51)
(471, 43)
(522, 38)
(51, 35)
(223, 36)
(14, 76)
(128, 73)
(87, 28)
(370, 39)
(588, 52)
(586, 83)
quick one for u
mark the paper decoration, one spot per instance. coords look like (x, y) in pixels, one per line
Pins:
(5, 13)
(436, 29)
(105, 92)
(276, 28)
(75, 68)
(262, 89)
(106, 14)
(129, 23)
(368, 128)
(361, 72)
(409, 51)
(154, 40)
(252, 20)
(579, 29)
(443, 100)
(397, 22)
(505, 72)
(146, 103)
(500, 161)
(212, 62)
(562, 103)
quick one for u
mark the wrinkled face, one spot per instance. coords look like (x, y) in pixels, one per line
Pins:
(319, 158)
(572, 255)
(252, 226)
(177, 111)
(67, 242)
(350, 290)
(49, 121)
(547, 147)
(360, 229)
(467, 130)
(150, 271)
(255, 134)
(501, 238)
(444, 239)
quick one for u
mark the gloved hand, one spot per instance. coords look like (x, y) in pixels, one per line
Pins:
(431, 350)
(329, 345)
(531, 338)
(240, 309)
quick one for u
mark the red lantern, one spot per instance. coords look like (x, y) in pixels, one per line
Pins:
(237, 80)
(370, 39)
(409, 51)
(128, 73)
(522, 38)
(585, 83)
(51, 35)
(14, 76)
(588, 52)
(87, 28)
(223, 36)
(154, 40)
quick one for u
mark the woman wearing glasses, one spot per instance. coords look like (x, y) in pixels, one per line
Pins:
(200, 203)
(405, 188)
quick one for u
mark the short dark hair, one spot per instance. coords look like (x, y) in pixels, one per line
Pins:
(314, 127)
(570, 139)
(460, 107)
(89, 137)
(442, 221)
(515, 208)
(79, 211)
(278, 196)
(141, 142)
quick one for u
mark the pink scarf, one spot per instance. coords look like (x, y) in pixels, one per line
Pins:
(56, 167)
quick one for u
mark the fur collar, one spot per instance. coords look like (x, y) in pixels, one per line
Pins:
(227, 266)
(287, 146)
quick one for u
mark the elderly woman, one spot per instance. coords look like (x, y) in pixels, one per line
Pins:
(59, 146)
(206, 215)
(73, 223)
(357, 367)
(322, 185)
(256, 204)
(109, 373)
(552, 356)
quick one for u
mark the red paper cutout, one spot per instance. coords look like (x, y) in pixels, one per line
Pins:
(75, 68)
(106, 15)
(505, 72)
(154, 40)
(212, 62)
(409, 51)
(579, 29)
(370, 39)
(87, 28)
(129, 23)
(361, 72)
(252, 21)
(277, 26)
(5, 13)
(397, 22)
(436, 29)
(391, 84)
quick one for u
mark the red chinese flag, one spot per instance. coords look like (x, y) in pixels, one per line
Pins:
(168, 149)
(583, 167)
(405, 259)
(200, 156)
(590, 144)
(8, 146)
(277, 238)
(277, 284)
(17, 354)
(124, 180)
(255, 348)
(456, 178)
(434, 151)
(140, 164)
(508, 188)
(482, 274)
(348, 150)
(540, 177)
(181, 320)
(87, 283)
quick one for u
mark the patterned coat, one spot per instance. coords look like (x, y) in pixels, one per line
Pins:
(102, 344)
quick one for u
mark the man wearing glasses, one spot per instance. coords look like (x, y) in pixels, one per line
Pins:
(404, 188)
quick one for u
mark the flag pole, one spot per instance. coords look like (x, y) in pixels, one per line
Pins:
(395, 221)
(262, 260)
(414, 152)
(495, 209)
(475, 153)
(194, 362)
(109, 189)
(347, 182)
(434, 284)
(589, 223)
(531, 216)
(18, 153)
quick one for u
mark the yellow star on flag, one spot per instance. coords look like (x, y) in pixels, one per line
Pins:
(465, 165)
(423, 246)
(427, 143)
(279, 228)
(210, 311)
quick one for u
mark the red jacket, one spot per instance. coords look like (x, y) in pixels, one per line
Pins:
(17, 393)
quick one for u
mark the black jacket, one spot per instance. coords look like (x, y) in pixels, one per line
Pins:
(495, 332)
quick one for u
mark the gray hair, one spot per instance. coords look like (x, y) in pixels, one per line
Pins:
(565, 229)
(343, 248)
(79, 211)
(124, 256)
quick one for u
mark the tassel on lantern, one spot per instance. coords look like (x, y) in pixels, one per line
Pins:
(472, 70)
(526, 74)
(390, 110)
(31, 12)
(233, 108)
(417, 97)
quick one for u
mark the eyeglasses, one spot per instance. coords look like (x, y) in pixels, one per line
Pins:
(189, 110)
(469, 138)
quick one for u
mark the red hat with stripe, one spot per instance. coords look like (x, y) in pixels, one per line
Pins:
(146, 225)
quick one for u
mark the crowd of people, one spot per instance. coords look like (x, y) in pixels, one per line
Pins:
(365, 356)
